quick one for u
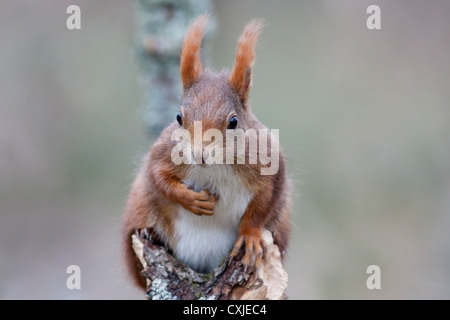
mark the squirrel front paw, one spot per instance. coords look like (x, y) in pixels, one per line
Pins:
(199, 203)
(254, 251)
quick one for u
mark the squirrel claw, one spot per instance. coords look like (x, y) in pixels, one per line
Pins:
(144, 233)
(201, 203)
(254, 254)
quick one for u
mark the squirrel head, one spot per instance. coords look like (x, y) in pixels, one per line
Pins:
(218, 99)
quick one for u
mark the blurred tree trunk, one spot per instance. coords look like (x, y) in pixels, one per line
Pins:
(160, 29)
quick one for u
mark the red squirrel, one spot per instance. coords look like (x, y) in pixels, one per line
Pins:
(201, 212)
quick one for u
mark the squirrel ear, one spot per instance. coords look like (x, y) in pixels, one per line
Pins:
(241, 76)
(190, 64)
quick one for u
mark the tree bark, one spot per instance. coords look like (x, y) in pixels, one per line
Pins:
(169, 279)
(160, 27)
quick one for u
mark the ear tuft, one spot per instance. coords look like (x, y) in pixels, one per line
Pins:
(190, 64)
(241, 76)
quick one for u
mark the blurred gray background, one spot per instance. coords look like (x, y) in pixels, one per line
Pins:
(364, 117)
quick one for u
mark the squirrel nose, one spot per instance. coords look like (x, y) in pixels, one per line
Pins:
(197, 153)
(198, 156)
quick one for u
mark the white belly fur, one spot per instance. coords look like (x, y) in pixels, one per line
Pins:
(203, 241)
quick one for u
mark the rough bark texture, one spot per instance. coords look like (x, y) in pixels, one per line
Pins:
(169, 279)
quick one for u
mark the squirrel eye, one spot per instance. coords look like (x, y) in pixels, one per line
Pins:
(180, 121)
(233, 123)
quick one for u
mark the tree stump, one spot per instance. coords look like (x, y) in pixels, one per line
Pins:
(169, 279)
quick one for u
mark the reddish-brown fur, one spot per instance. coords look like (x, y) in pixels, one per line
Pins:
(190, 64)
(241, 77)
(158, 189)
